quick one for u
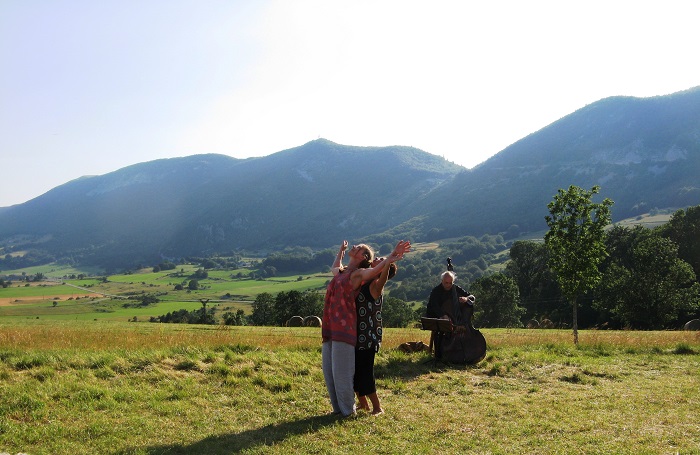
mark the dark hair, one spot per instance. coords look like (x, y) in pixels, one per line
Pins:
(393, 268)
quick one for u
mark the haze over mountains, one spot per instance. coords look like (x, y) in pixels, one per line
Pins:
(643, 152)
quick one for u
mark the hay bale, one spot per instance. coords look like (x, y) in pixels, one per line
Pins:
(546, 324)
(693, 324)
(295, 321)
(532, 324)
(312, 321)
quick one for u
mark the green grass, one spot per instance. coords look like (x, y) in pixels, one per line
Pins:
(120, 388)
(216, 286)
(93, 298)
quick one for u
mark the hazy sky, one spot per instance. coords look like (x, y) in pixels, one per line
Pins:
(88, 87)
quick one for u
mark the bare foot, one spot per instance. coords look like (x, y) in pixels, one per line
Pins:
(376, 412)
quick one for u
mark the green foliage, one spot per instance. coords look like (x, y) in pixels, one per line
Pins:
(645, 284)
(237, 318)
(396, 313)
(295, 303)
(299, 260)
(32, 257)
(684, 229)
(200, 316)
(147, 299)
(166, 265)
(537, 285)
(263, 310)
(200, 274)
(498, 302)
(575, 241)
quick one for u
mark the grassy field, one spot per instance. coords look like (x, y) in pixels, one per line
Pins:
(104, 299)
(102, 387)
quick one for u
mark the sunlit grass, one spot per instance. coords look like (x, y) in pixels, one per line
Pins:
(97, 335)
(140, 388)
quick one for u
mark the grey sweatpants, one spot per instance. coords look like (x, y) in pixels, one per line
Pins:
(338, 371)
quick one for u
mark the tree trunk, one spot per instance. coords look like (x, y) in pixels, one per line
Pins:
(574, 305)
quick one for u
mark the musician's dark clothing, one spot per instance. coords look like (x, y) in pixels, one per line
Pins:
(438, 296)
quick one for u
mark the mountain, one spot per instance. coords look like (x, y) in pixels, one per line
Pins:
(314, 195)
(643, 152)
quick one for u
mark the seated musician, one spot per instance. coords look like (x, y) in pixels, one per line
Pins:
(445, 301)
(442, 293)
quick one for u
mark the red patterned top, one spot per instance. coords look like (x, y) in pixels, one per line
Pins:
(339, 313)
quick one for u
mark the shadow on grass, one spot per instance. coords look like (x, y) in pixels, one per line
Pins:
(248, 439)
(414, 365)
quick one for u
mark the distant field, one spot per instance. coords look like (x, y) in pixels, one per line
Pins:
(54, 270)
(35, 291)
(646, 220)
(98, 299)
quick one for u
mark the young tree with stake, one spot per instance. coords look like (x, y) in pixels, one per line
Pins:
(576, 242)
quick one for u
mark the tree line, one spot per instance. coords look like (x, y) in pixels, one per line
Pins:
(647, 280)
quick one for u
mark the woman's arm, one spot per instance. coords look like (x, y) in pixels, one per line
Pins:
(336, 267)
(376, 288)
(363, 275)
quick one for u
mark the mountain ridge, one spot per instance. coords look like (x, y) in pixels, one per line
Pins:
(643, 152)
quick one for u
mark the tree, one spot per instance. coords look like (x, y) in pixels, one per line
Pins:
(193, 285)
(497, 301)
(237, 318)
(204, 309)
(263, 310)
(396, 313)
(646, 285)
(575, 241)
(200, 274)
(295, 303)
(537, 285)
(684, 229)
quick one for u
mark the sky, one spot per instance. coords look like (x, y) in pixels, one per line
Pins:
(88, 87)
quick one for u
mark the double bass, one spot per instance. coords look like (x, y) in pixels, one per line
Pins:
(463, 344)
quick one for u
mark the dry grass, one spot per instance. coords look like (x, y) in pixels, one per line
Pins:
(114, 335)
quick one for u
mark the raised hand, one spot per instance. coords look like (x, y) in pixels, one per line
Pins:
(403, 247)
